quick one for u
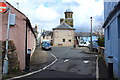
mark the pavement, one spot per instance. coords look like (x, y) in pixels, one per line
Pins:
(71, 64)
(103, 69)
(40, 59)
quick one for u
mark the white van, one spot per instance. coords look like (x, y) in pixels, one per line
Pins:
(84, 44)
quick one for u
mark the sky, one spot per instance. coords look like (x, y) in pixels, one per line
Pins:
(47, 13)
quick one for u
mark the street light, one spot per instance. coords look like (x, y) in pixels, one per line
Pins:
(91, 46)
(6, 62)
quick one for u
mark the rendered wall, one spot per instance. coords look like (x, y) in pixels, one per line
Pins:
(112, 45)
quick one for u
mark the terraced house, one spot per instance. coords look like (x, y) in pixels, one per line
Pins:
(21, 33)
(112, 34)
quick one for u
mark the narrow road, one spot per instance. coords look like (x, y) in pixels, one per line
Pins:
(71, 63)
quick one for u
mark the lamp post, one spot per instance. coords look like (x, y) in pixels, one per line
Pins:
(6, 62)
(91, 46)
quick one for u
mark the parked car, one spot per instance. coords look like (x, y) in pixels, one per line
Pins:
(46, 46)
(85, 44)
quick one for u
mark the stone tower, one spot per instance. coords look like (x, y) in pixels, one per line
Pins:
(69, 17)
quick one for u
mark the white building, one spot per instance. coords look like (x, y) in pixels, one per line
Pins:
(112, 34)
(46, 36)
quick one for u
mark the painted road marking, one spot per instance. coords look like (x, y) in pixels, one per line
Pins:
(51, 63)
(97, 69)
(66, 60)
(35, 71)
(86, 61)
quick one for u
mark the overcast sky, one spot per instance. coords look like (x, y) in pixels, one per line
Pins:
(47, 13)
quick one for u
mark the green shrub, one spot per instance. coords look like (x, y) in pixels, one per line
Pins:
(101, 42)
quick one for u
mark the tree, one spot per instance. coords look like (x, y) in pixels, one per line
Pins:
(98, 30)
(101, 42)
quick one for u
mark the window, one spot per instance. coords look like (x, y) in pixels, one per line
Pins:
(43, 37)
(119, 26)
(108, 32)
(63, 40)
(70, 40)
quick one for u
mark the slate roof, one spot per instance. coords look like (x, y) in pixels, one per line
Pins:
(64, 25)
(84, 34)
(112, 14)
(47, 33)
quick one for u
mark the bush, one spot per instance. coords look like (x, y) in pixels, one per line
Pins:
(101, 42)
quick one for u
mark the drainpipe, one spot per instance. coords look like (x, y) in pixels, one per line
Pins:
(6, 62)
(26, 46)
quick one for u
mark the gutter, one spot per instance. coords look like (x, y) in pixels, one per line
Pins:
(111, 14)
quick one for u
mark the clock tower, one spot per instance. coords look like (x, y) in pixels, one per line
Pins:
(69, 17)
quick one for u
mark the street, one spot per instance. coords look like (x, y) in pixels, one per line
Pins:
(66, 39)
(70, 63)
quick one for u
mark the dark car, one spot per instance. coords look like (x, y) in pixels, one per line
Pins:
(46, 46)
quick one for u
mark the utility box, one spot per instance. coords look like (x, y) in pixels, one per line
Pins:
(12, 19)
(29, 51)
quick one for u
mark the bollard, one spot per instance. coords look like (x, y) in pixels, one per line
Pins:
(110, 67)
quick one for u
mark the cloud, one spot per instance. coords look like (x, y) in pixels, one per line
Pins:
(87, 9)
(46, 13)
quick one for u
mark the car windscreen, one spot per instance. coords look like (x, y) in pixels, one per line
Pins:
(46, 44)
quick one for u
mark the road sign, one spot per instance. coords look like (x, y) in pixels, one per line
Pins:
(3, 7)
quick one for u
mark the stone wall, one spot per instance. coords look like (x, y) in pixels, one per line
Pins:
(14, 64)
(101, 51)
(59, 35)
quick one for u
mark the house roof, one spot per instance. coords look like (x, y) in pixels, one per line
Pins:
(111, 14)
(64, 25)
(84, 34)
(30, 26)
(27, 20)
(47, 33)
